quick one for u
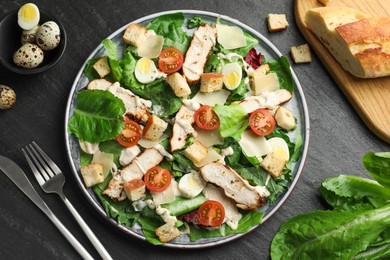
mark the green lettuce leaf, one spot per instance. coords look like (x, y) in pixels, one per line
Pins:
(233, 120)
(352, 192)
(282, 69)
(170, 27)
(123, 212)
(249, 219)
(194, 22)
(378, 165)
(329, 234)
(164, 100)
(243, 51)
(89, 71)
(149, 226)
(97, 116)
(116, 69)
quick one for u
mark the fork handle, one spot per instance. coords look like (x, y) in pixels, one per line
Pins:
(71, 239)
(94, 240)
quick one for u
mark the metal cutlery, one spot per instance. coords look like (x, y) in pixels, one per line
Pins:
(18, 177)
(51, 179)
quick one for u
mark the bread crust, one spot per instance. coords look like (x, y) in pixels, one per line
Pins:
(360, 43)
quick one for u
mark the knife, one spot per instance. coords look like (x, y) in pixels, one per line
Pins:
(18, 177)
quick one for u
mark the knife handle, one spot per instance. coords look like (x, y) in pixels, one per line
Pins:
(71, 239)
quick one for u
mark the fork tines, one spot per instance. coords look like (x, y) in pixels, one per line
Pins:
(40, 163)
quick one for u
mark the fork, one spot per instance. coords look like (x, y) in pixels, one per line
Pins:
(52, 180)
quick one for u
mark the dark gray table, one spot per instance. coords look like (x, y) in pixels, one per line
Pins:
(338, 138)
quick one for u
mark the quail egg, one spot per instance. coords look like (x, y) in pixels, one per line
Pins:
(145, 70)
(232, 73)
(28, 16)
(7, 97)
(28, 36)
(28, 56)
(48, 36)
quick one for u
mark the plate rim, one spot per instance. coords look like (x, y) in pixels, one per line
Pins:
(306, 135)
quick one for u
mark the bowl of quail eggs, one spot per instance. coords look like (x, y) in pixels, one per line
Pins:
(31, 40)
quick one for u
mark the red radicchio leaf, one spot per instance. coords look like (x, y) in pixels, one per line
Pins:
(191, 217)
(253, 58)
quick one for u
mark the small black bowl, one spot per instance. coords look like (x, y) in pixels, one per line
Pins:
(10, 41)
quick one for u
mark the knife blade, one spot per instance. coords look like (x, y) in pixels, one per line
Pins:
(19, 178)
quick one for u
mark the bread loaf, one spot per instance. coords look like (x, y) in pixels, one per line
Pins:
(360, 43)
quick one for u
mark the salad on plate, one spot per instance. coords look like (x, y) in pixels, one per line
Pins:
(184, 129)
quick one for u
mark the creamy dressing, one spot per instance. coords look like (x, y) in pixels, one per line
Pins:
(163, 152)
(89, 148)
(165, 215)
(191, 104)
(226, 152)
(139, 205)
(186, 126)
(263, 191)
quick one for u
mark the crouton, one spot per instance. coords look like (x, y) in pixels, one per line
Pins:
(277, 22)
(135, 189)
(210, 82)
(274, 164)
(154, 128)
(178, 84)
(285, 118)
(102, 67)
(260, 82)
(196, 152)
(324, 2)
(167, 232)
(135, 34)
(92, 174)
(301, 53)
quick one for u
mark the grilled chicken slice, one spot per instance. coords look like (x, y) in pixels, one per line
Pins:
(182, 127)
(135, 170)
(137, 109)
(203, 41)
(270, 100)
(247, 197)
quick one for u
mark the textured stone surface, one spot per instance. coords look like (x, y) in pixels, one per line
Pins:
(338, 138)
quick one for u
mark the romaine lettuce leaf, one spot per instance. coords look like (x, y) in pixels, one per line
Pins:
(281, 67)
(164, 100)
(233, 120)
(352, 192)
(116, 69)
(170, 27)
(329, 234)
(378, 165)
(97, 116)
(248, 220)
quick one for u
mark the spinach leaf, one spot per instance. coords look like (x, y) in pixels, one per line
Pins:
(97, 116)
(233, 120)
(282, 69)
(378, 165)
(351, 192)
(170, 27)
(329, 234)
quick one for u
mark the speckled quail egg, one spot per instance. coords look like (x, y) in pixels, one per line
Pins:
(28, 36)
(7, 97)
(48, 36)
(28, 56)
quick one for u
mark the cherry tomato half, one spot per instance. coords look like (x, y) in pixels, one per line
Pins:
(206, 118)
(262, 122)
(211, 213)
(170, 60)
(157, 179)
(130, 134)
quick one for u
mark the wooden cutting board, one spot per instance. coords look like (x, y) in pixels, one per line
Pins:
(369, 97)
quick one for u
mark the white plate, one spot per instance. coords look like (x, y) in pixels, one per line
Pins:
(297, 105)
